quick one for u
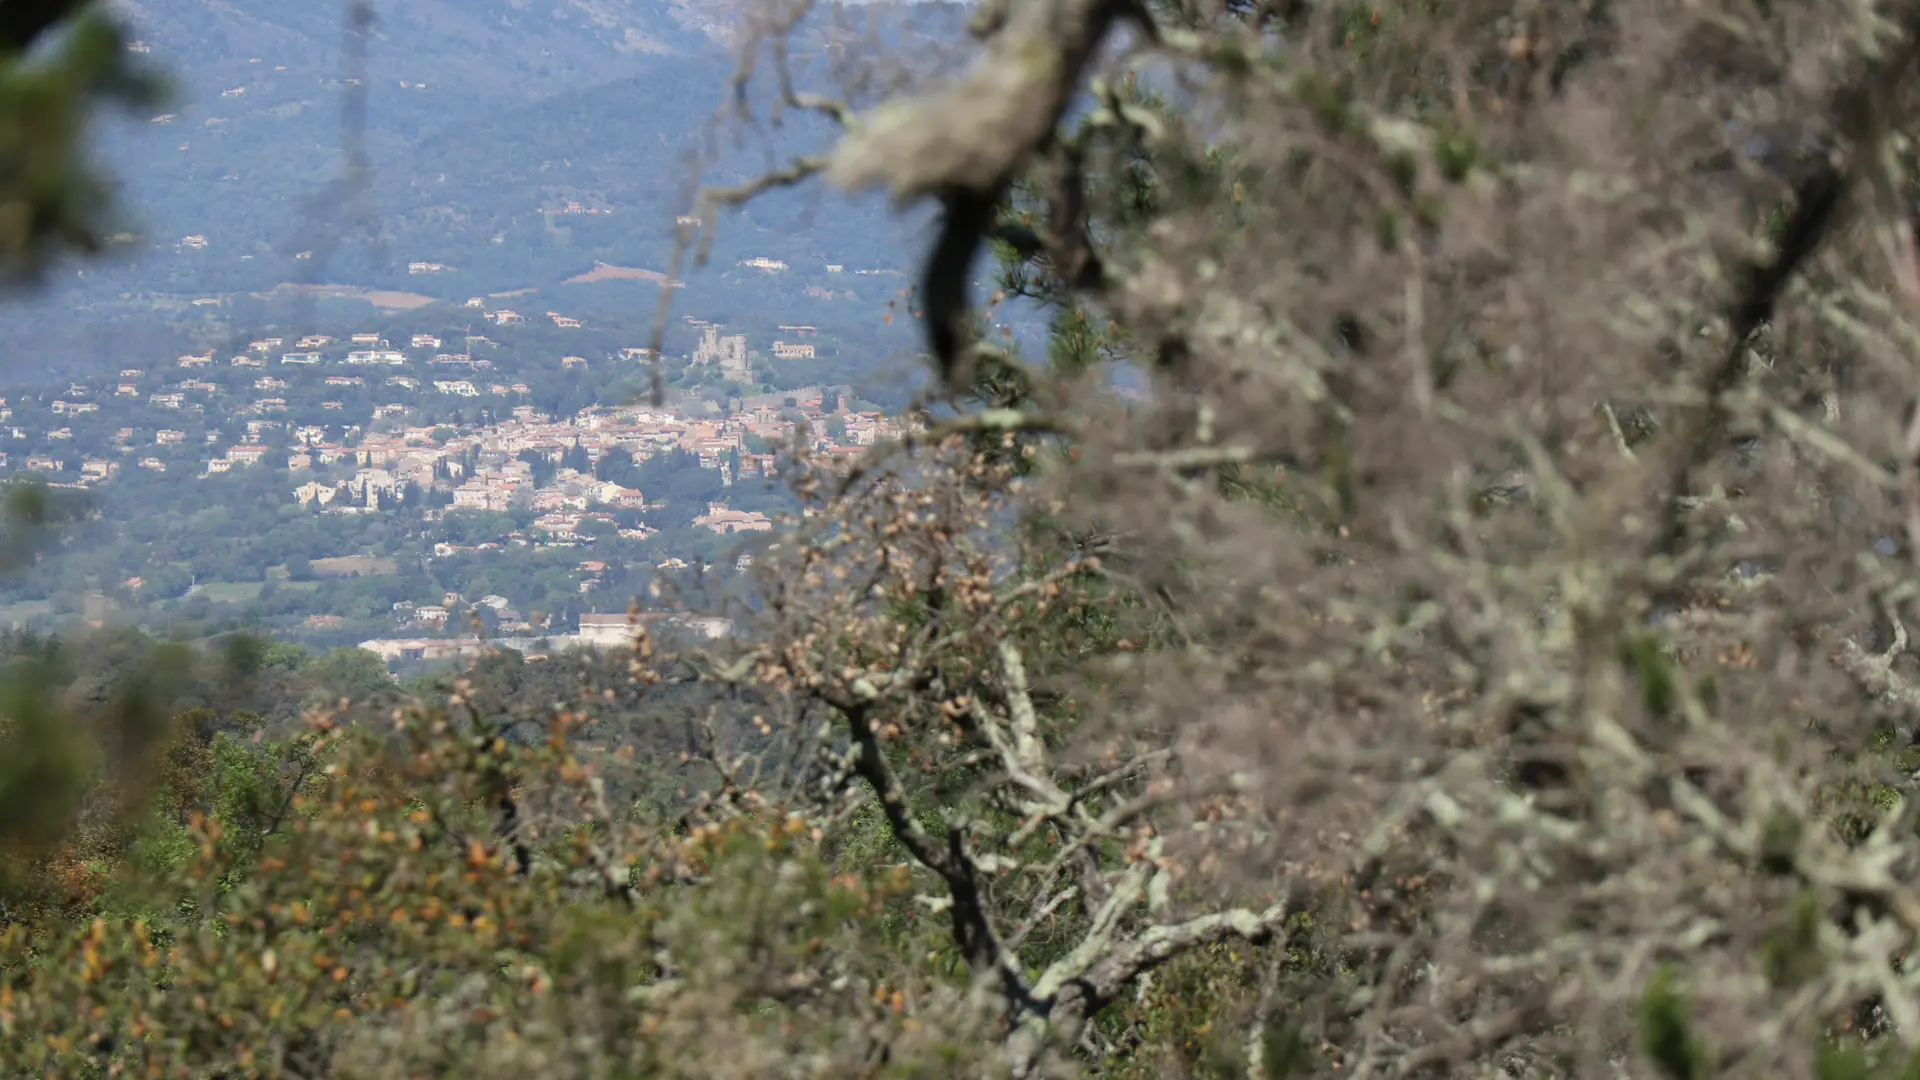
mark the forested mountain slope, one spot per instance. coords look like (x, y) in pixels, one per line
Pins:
(480, 123)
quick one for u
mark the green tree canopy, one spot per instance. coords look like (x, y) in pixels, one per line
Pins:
(348, 673)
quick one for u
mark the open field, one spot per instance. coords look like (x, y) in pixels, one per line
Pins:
(388, 299)
(24, 610)
(364, 565)
(229, 592)
(610, 272)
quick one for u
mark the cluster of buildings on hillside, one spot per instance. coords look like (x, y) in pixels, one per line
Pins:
(486, 468)
(426, 457)
(729, 351)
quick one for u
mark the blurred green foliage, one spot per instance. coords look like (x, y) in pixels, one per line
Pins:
(60, 61)
(52, 82)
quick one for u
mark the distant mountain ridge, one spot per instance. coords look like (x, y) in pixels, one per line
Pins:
(494, 43)
(484, 120)
(519, 105)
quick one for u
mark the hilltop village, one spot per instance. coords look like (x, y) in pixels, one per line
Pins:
(403, 480)
(483, 465)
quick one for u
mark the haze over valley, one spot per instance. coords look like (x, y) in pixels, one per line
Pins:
(341, 405)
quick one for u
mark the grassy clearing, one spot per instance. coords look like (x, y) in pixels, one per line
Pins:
(347, 565)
